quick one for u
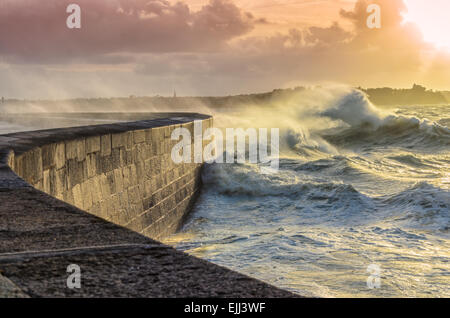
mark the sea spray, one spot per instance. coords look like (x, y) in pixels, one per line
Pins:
(356, 186)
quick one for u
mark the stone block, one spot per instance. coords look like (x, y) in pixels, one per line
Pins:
(106, 164)
(124, 200)
(118, 180)
(97, 194)
(46, 181)
(148, 136)
(76, 149)
(128, 157)
(91, 162)
(119, 140)
(105, 147)
(126, 172)
(60, 155)
(77, 196)
(60, 181)
(75, 172)
(68, 197)
(93, 144)
(117, 161)
(71, 149)
(86, 192)
(81, 149)
(111, 183)
(140, 170)
(129, 140)
(48, 156)
(138, 136)
(133, 175)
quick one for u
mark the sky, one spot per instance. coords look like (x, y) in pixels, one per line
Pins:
(218, 47)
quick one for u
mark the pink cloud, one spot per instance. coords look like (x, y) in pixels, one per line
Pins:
(36, 30)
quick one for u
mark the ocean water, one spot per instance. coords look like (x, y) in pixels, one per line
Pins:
(358, 188)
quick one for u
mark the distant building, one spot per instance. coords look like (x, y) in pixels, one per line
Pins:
(417, 95)
(419, 88)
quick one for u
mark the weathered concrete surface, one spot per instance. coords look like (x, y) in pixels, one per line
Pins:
(41, 235)
(9, 290)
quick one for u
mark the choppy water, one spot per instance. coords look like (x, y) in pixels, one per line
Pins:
(356, 187)
(371, 188)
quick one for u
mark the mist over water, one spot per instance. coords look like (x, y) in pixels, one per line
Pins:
(357, 186)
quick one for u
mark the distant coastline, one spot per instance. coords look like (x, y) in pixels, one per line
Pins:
(384, 97)
(417, 95)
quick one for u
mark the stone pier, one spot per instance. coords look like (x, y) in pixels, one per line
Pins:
(100, 197)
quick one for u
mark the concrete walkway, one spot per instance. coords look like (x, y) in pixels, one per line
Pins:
(41, 236)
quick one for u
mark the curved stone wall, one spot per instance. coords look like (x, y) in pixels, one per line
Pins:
(121, 172)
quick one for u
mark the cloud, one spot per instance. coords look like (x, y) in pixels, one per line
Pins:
(395, 55)
(328, 36)
(394, 33)
(34, 30)
(151, 47)
(391, 13)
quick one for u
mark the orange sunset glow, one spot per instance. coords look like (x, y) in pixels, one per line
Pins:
(200, 46)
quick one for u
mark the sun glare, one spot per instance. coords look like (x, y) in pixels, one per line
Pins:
(432, 19)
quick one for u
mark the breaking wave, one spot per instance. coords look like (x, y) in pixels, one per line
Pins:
(357, 185)
(324, 120)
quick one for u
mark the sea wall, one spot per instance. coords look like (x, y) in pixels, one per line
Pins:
(122, 172)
